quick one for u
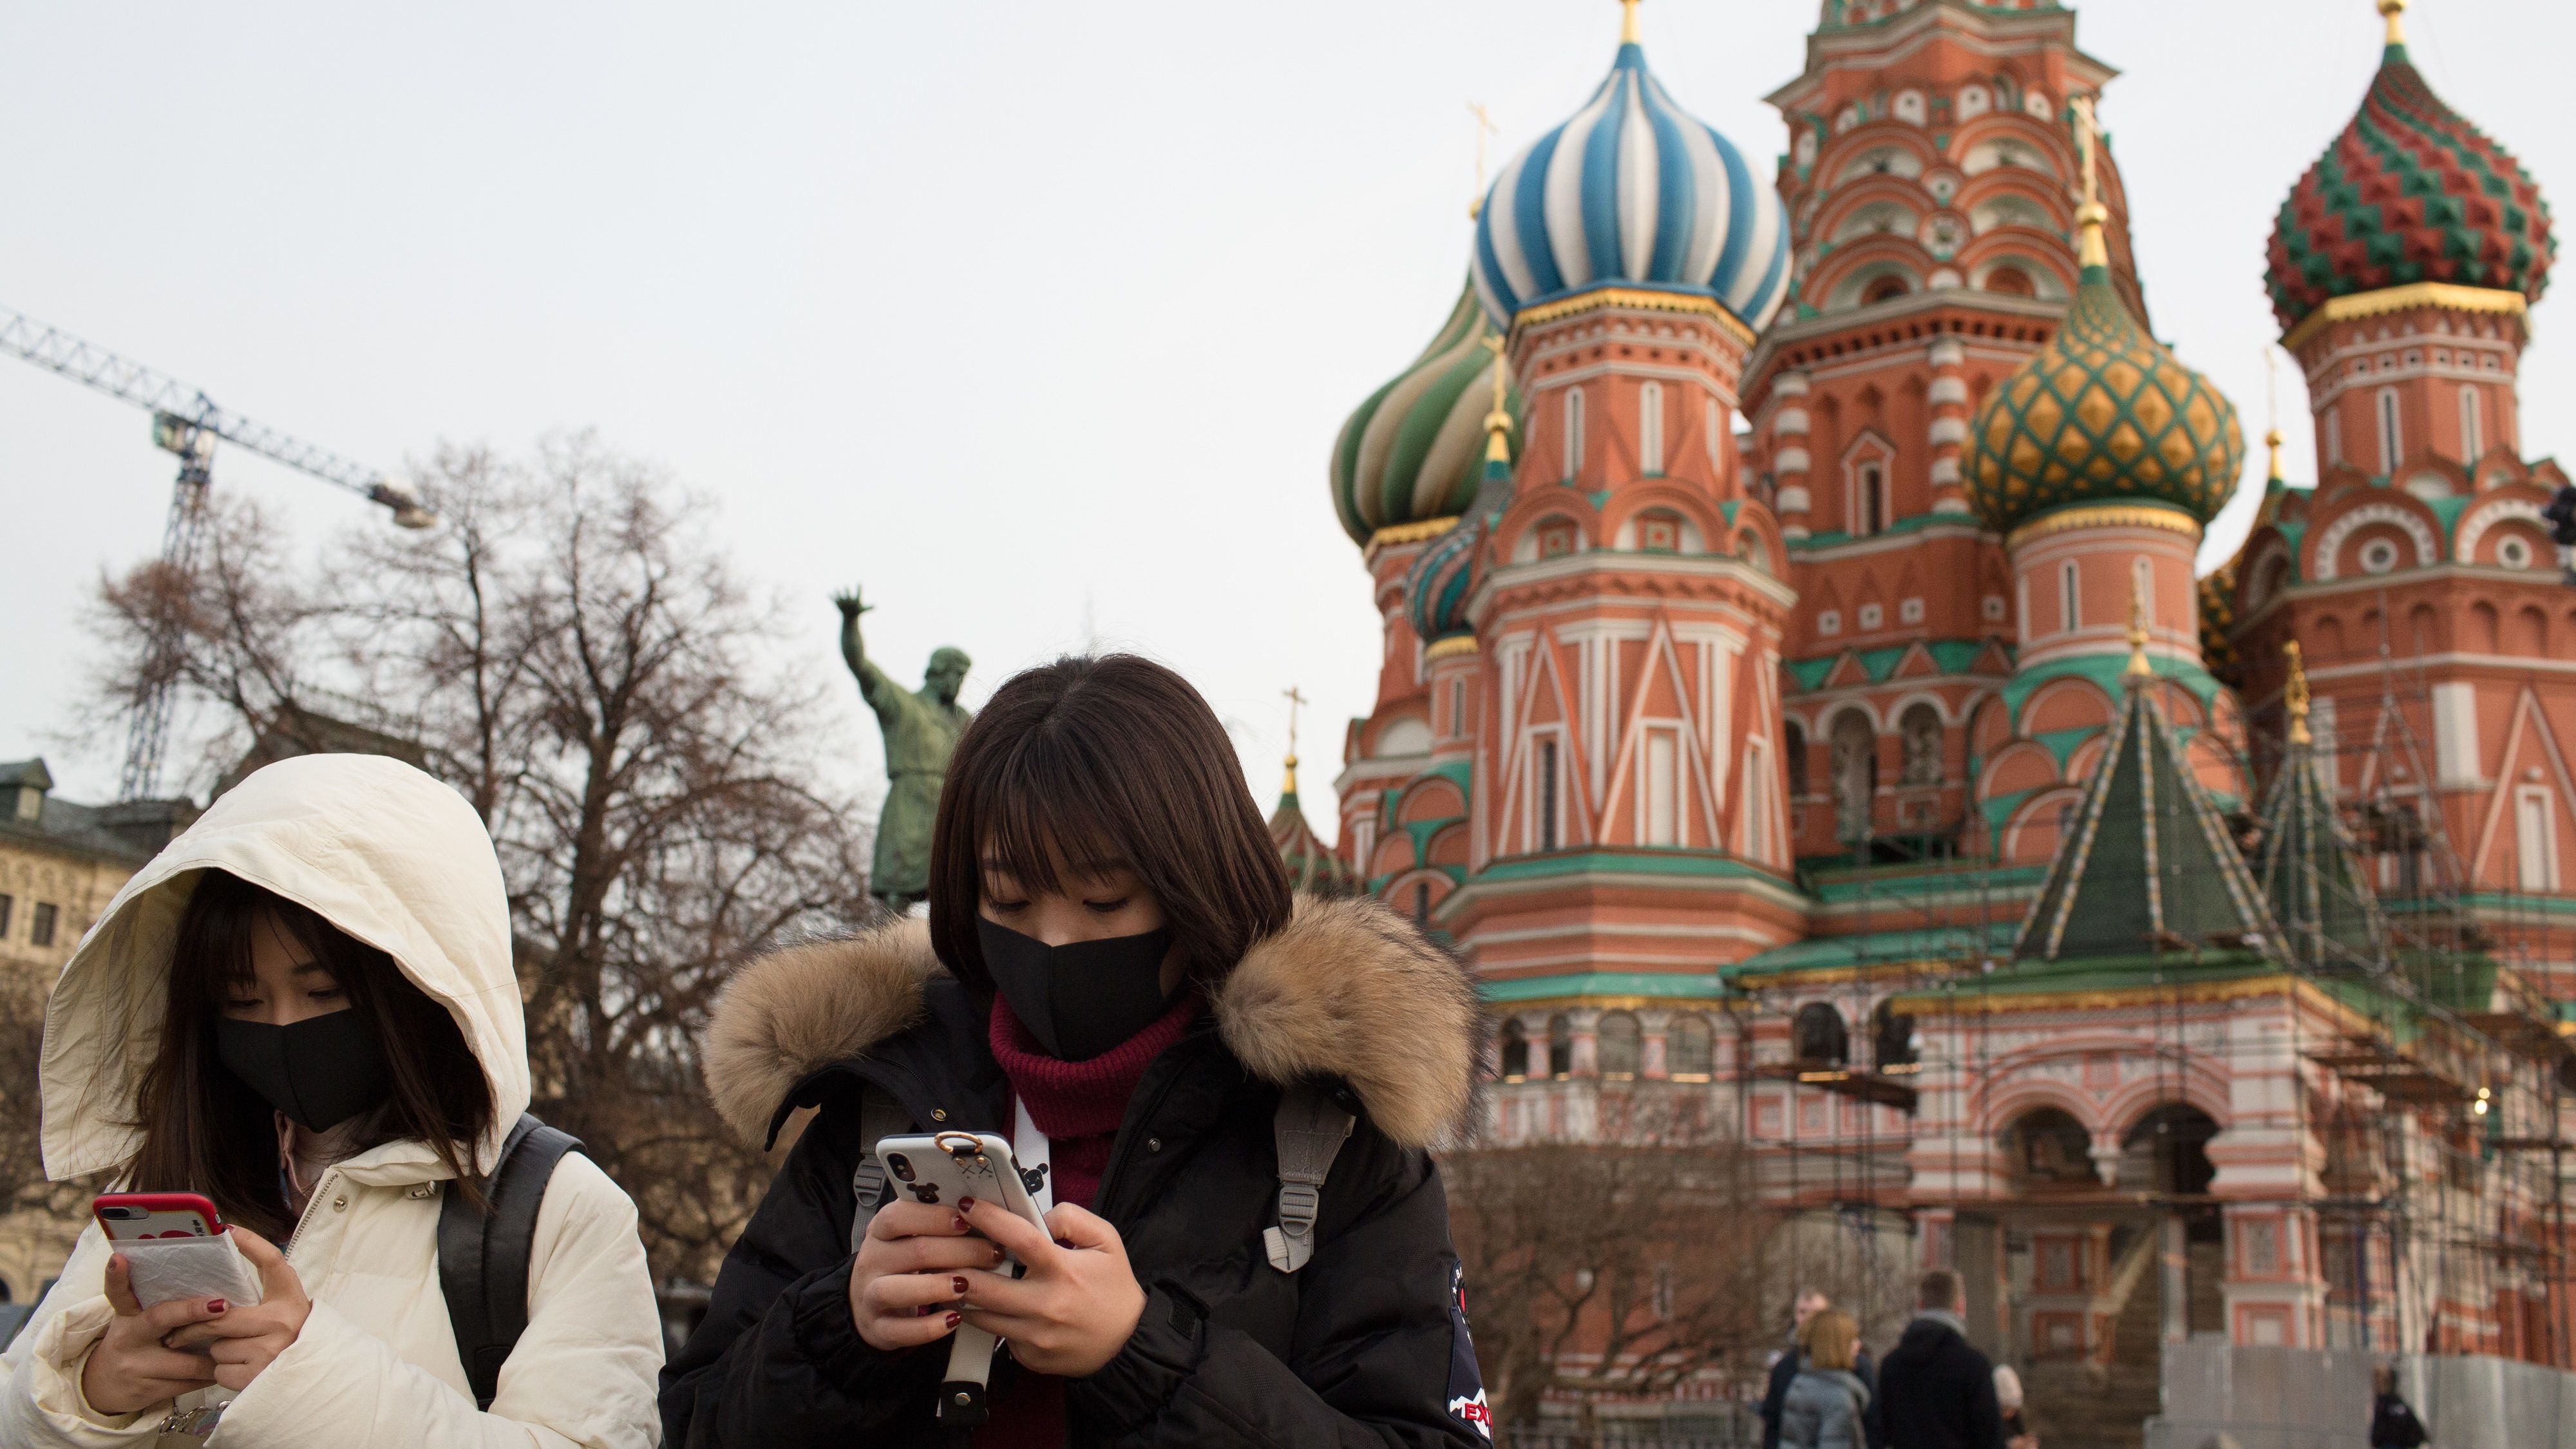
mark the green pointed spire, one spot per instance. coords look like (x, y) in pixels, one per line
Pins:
(2327, 913)
(2148, 862)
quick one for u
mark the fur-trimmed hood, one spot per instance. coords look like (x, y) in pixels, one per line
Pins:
(1349, 989)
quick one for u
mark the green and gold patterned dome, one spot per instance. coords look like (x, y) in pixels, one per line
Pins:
(1414, 452)
(2103, 413)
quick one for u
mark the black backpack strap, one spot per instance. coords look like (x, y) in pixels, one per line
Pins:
(483, 1255)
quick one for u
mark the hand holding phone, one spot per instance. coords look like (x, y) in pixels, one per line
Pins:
(906, 1280)
(133, 1368)
(175, 1246)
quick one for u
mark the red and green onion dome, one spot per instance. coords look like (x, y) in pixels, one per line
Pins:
(2410, 192)
(2103, 413)
(1414, 451)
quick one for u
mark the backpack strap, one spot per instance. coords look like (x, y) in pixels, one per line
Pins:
(483, 1255)
(1309, 1130)
(880, 1117)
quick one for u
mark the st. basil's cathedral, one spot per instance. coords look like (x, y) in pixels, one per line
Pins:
(1798, 705)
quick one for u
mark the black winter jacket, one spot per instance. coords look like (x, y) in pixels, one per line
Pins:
(1367, 1344)
(1935, 1391)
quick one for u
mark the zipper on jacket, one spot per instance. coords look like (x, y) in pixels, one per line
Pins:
(311, 1201)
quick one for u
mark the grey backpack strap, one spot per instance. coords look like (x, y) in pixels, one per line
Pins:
(880, 1117)
(1309, 1129)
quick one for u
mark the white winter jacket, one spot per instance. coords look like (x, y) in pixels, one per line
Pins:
(398, 861)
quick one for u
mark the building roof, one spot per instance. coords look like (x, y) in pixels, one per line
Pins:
(2103, 413)
(2409, 192)
(61, 826)
(2312, 882)
(1632, 191)
(2149, 863)
(1312, 866)
(1410, 453)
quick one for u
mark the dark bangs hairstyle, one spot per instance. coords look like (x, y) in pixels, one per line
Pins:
(1102, 760)
(205, 1130)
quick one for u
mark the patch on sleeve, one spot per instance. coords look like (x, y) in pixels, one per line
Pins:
(1466, 1381)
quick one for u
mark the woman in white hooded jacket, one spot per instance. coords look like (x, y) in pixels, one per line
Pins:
(167, 1045)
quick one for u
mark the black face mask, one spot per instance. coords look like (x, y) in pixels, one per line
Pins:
(1082, 998)
(320, 1071)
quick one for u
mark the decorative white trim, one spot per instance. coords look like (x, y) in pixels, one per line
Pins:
(1789, 421)
(1792, 460)
(2487, 515)
(2330, 543)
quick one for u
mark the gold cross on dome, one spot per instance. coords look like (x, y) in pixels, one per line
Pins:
(2294, 695)
(2087, 136)
(1485, 129)
(2091, 251)
(2138, 633)
(1294, 699)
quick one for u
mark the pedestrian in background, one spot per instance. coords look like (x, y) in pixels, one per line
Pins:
(1784, 1369)
(2008, 1399)
(2393, 1424)
(1827, 1406)
(1935, 1390)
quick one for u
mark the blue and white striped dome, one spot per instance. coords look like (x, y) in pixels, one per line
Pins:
(1634, 191)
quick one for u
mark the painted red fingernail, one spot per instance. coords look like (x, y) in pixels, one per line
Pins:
(955, 1319)
(959, 1222)
(998, 1254)
(965, 1204)
(214, 1305)
(960, 1285)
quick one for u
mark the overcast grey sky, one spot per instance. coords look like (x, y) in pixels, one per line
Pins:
(1037, 319)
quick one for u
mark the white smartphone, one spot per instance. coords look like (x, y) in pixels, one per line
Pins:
(942, 1168)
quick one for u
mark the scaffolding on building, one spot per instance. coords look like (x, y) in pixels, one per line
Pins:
(2447, 1208)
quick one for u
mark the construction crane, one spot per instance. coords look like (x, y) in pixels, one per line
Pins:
(185, 422)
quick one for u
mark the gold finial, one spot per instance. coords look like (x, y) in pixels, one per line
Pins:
(1294, 700)
(2393, 9)
(1498, 423)
(2294, 695)
(1485, 128)
(2138, 668)
(1628, 33)
(2272, 440)
(2091, 214)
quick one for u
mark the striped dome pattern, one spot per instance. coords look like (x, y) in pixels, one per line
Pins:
(1437, 587)
(1414, 450)
(1633, 191)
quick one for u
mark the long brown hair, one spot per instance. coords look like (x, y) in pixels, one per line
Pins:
(205, 1130)
(1097, 759)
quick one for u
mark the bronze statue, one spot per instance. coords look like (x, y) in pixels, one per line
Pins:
(921, 730)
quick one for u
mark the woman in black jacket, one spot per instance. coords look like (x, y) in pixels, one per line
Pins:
(1114, 976)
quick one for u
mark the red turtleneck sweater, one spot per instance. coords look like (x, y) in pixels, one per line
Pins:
(1078, 1105)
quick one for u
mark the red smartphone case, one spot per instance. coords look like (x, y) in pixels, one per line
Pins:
(161, 1207)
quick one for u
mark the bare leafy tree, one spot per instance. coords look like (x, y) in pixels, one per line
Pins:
(569, 652)
(1623, 1270)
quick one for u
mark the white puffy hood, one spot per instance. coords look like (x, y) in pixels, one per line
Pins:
(377, 848)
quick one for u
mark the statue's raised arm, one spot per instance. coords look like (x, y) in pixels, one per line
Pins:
(874, 687)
